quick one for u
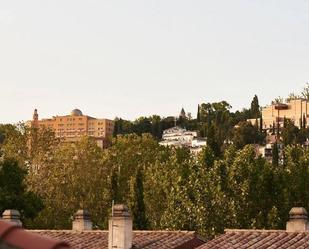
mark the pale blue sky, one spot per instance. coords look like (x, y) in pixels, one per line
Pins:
(131, 58)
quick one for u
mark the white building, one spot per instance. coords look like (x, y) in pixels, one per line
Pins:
(179, 137)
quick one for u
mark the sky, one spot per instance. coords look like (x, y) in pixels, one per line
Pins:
(131, 58)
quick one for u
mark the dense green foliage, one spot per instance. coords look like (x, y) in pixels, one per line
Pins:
(215, 121)
(165, 188)
(13, 192)
(225, 186)
(255, 108)
(246, 133)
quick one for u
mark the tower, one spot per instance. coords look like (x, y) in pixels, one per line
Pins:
(35, 118)
(182, 114)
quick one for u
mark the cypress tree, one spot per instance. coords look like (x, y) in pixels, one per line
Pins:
(275, 155)
(261, 124)
(114, 184)
(198, 118)
(255, 107)
(304, 122)
(138, 206)
(278, 129)
(212, 141)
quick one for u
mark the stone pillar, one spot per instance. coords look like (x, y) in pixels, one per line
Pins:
(298, 221)
(120, 228)
(82, 221)
(13, 216)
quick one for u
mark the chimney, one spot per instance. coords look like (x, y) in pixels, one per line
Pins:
(13, 216)
(298, 221)
(120, 228)
(82, 221)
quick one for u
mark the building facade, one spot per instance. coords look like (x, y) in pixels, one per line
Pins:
(296, 110)
(72, 127)
(179, 137)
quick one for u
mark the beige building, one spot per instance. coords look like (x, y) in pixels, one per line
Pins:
(72, 127)
(296, 110)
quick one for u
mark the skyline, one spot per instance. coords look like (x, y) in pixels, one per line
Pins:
(137, 58)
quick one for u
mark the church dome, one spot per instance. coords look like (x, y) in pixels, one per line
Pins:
(76, 112)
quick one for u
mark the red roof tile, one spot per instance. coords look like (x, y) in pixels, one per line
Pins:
(258, 239)
(98, 239)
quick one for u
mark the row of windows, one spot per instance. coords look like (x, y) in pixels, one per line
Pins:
(68, 130)
(46, 125)
(70, 134)
(72, 124)
(82, 129)
(71, 119)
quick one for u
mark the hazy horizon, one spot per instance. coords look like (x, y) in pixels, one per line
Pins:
(138, 58)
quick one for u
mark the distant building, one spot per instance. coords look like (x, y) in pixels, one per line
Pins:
(183, 114)
(296, 110)
(72, 127)
(179, 137)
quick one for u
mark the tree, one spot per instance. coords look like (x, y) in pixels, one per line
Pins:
(76, 177)
(292, 96)
(255, 107)
(304, 123)
(137, 203)
(275, 155)
(261, 124)
(289, 133)
(206, 157)
(305, 91)
(129, 152)
(278, 100)
(142, 125)
(114, 187)
(198, 118)
(32, 147)
(13, 191)
(212, 141)
(245, 133)
(156, 126)
(273, 129)
(2, 137)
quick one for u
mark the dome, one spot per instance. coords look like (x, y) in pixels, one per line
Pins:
(76, 112)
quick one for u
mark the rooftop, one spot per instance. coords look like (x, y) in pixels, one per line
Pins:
(265, 239)
(76, 112)
(98, 239)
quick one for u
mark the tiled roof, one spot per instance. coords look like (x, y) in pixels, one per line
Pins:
(13, 236)
(259, 239)
(98, 239)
